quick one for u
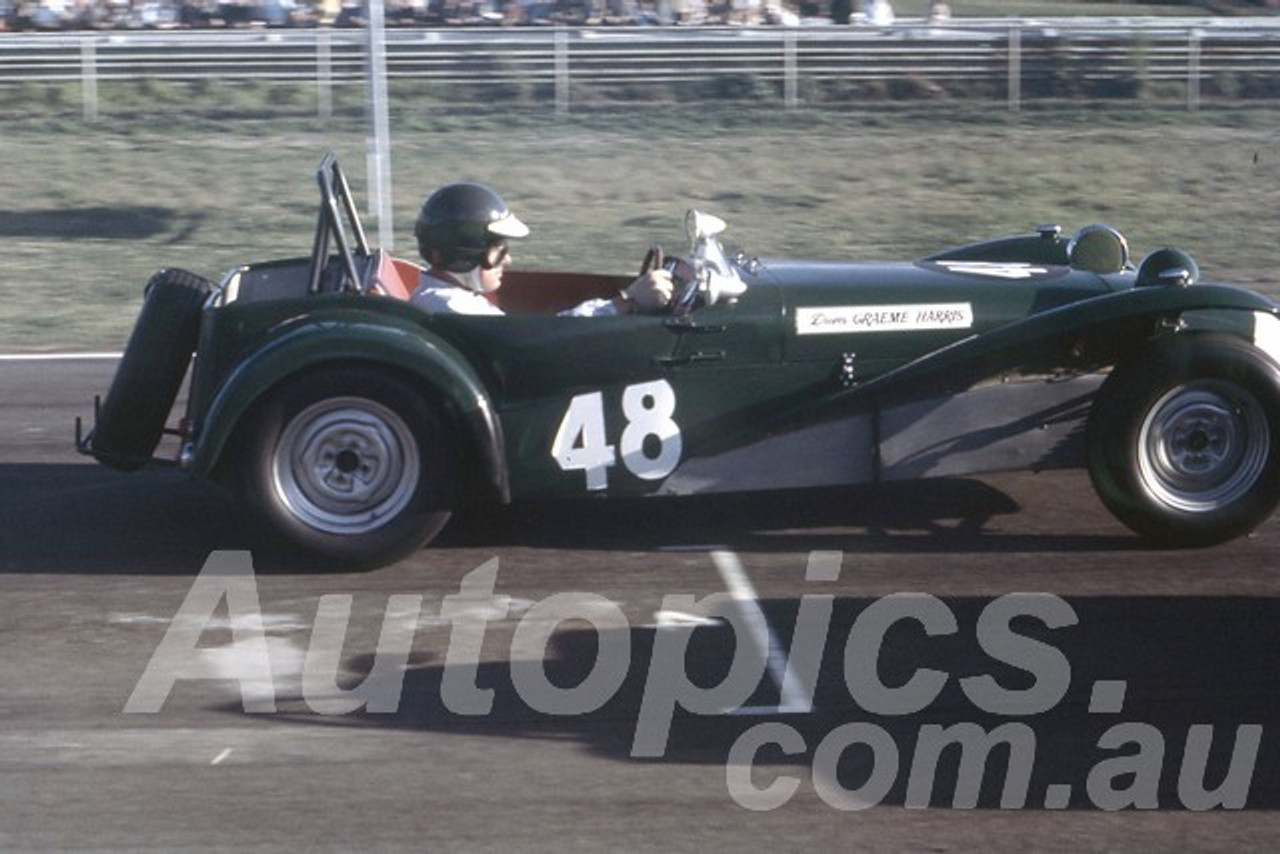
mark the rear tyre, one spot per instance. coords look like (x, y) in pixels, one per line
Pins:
(1184, 441)
(351, 466)
(131, 419)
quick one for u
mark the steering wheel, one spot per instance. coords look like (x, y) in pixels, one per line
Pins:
(653, 259)
(683, 298)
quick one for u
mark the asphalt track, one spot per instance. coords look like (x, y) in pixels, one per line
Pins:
(1151, 661)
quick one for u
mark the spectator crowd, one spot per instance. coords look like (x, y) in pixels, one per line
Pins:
(55, 15)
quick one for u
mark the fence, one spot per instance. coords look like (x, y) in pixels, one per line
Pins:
(1183, 61)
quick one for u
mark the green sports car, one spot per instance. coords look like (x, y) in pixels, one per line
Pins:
(353, 422)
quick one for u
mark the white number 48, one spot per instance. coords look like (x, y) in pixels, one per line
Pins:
(650, 443)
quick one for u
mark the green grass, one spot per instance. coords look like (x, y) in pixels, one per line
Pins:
(88, 212)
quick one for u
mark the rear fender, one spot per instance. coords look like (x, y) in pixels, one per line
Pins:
(408, 351)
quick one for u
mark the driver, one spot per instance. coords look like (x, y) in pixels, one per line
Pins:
(463, 232)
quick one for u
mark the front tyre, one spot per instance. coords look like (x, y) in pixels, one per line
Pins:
(351, 466)
(1184, 441)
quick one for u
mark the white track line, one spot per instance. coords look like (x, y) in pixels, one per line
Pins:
(793, 698)
(57, 357)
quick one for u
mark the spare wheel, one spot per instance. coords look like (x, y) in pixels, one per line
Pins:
(132, 418)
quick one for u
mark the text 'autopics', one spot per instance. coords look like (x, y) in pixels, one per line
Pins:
(876, 735)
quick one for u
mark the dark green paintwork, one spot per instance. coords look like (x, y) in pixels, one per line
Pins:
(738, 372)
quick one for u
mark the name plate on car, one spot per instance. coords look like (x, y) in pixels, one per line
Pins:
(838, 319)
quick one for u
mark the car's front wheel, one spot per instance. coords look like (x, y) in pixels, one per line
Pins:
(1184, 441)
(351, 466)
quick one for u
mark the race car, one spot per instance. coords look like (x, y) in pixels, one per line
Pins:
(353, 423)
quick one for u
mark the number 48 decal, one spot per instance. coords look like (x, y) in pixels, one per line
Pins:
(650, 443)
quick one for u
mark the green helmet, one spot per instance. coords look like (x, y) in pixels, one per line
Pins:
(1168, 266)
(460, 225)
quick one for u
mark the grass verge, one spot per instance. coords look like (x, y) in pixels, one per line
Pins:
(90, 211)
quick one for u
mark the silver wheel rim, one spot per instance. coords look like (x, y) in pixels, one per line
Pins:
(1203, 446)
(346, 466)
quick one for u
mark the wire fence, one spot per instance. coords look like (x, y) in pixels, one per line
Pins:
(1181, 62)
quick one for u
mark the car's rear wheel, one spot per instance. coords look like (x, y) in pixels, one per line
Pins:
(351, 466)
(1184, 441)
(132, 418)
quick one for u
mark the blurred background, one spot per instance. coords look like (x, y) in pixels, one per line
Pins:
(145, 135)
(52, 15)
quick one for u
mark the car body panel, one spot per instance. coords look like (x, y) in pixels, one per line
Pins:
(905, 335)
(249, 350)
(766, 373)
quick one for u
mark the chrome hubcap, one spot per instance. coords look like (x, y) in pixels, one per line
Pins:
(346, 465)
(1203, 446)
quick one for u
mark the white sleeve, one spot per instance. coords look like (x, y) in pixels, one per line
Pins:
(591, 308)
(447, 299)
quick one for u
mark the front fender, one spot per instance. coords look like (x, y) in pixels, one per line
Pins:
(1082, 336)
(1090, 333)
(380, 343)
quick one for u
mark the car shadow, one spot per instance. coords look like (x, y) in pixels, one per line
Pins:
(1154, 702)
(86, 518)
(136, 222)
(935, 515)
